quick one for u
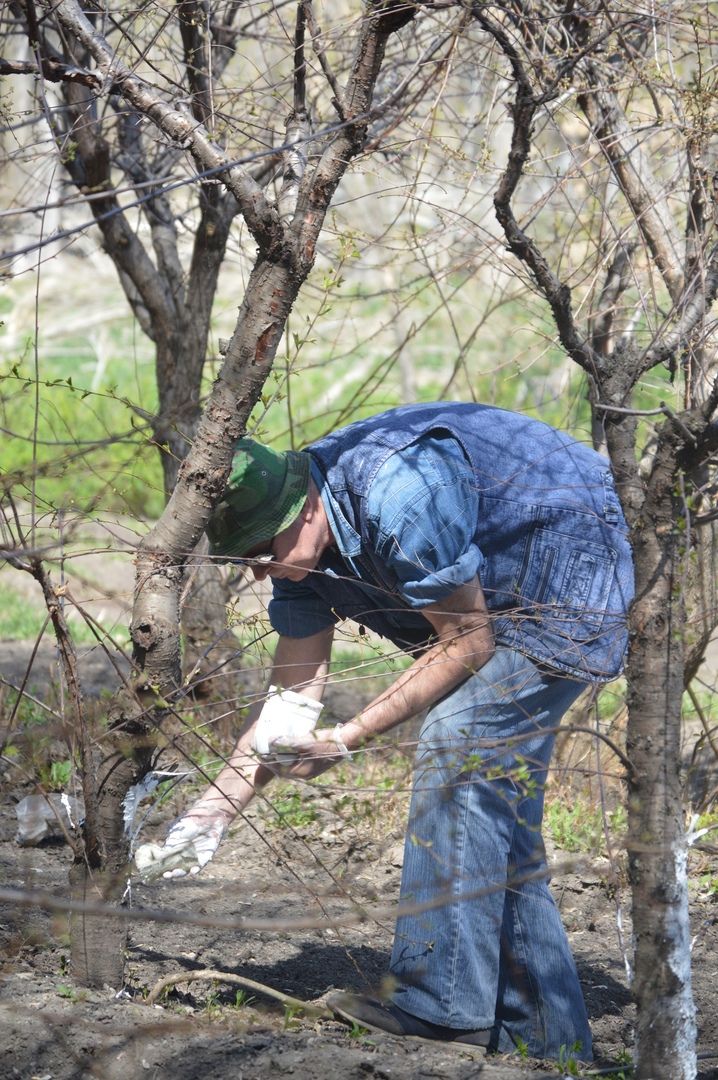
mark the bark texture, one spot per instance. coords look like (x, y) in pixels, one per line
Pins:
(665, 1021)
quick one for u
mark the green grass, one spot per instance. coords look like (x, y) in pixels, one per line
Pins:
(578, 827)
(91, 450)
(289, 808)
(87, 392)
(22, 618)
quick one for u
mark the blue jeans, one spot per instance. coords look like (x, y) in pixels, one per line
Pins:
(495, 955)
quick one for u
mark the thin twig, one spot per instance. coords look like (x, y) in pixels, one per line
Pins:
(382, 106)
(702, 717)
(678, 422)
(315, 30)
(628, 412)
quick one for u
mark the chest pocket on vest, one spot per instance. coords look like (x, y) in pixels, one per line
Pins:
(567, 580)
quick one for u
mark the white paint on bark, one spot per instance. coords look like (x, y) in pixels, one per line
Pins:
(678, 961)
(137, 793)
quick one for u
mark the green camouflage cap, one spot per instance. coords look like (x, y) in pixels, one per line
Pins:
(265, 492)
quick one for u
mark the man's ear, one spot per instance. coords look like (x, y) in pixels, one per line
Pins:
(307, 510)
(314, 516)
(310, 503)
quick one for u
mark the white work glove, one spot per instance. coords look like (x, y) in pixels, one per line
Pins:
(309, 755)
(191, 842)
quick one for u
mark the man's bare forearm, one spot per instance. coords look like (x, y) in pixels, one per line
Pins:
(428, 679)
(465, 644)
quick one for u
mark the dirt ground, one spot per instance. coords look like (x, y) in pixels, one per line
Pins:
(335, 851)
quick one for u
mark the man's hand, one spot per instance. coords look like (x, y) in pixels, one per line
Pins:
(191, 842)
(310, 755)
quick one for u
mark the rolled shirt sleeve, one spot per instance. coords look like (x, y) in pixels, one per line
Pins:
(422, 514)
(420, 524)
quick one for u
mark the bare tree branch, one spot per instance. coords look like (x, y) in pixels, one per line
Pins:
(299, 128)
(316, 34)
(523, 113)
(637, 179)
(617, 278)
(157, 210)
(262, 219)
(694, 309)
(52, 70)
(193, 20)
(398, 92)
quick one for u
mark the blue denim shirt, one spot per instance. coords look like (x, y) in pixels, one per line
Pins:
(422, 498)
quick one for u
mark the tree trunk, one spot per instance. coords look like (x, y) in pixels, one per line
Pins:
(665, 1025)
(210, 655)
(99, 872)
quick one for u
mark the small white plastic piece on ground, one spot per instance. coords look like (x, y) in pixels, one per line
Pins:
(69, 809)
(37, 820)
(152, 861)
(286, 715)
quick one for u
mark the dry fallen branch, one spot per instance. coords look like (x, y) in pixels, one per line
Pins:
(208, 975)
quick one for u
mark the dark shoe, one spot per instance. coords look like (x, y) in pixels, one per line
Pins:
(390, 1019)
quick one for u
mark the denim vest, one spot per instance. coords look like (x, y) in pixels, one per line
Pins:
(557, 571)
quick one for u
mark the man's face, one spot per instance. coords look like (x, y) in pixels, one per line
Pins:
(296, 550)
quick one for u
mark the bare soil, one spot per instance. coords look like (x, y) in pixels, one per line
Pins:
(347, 856)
